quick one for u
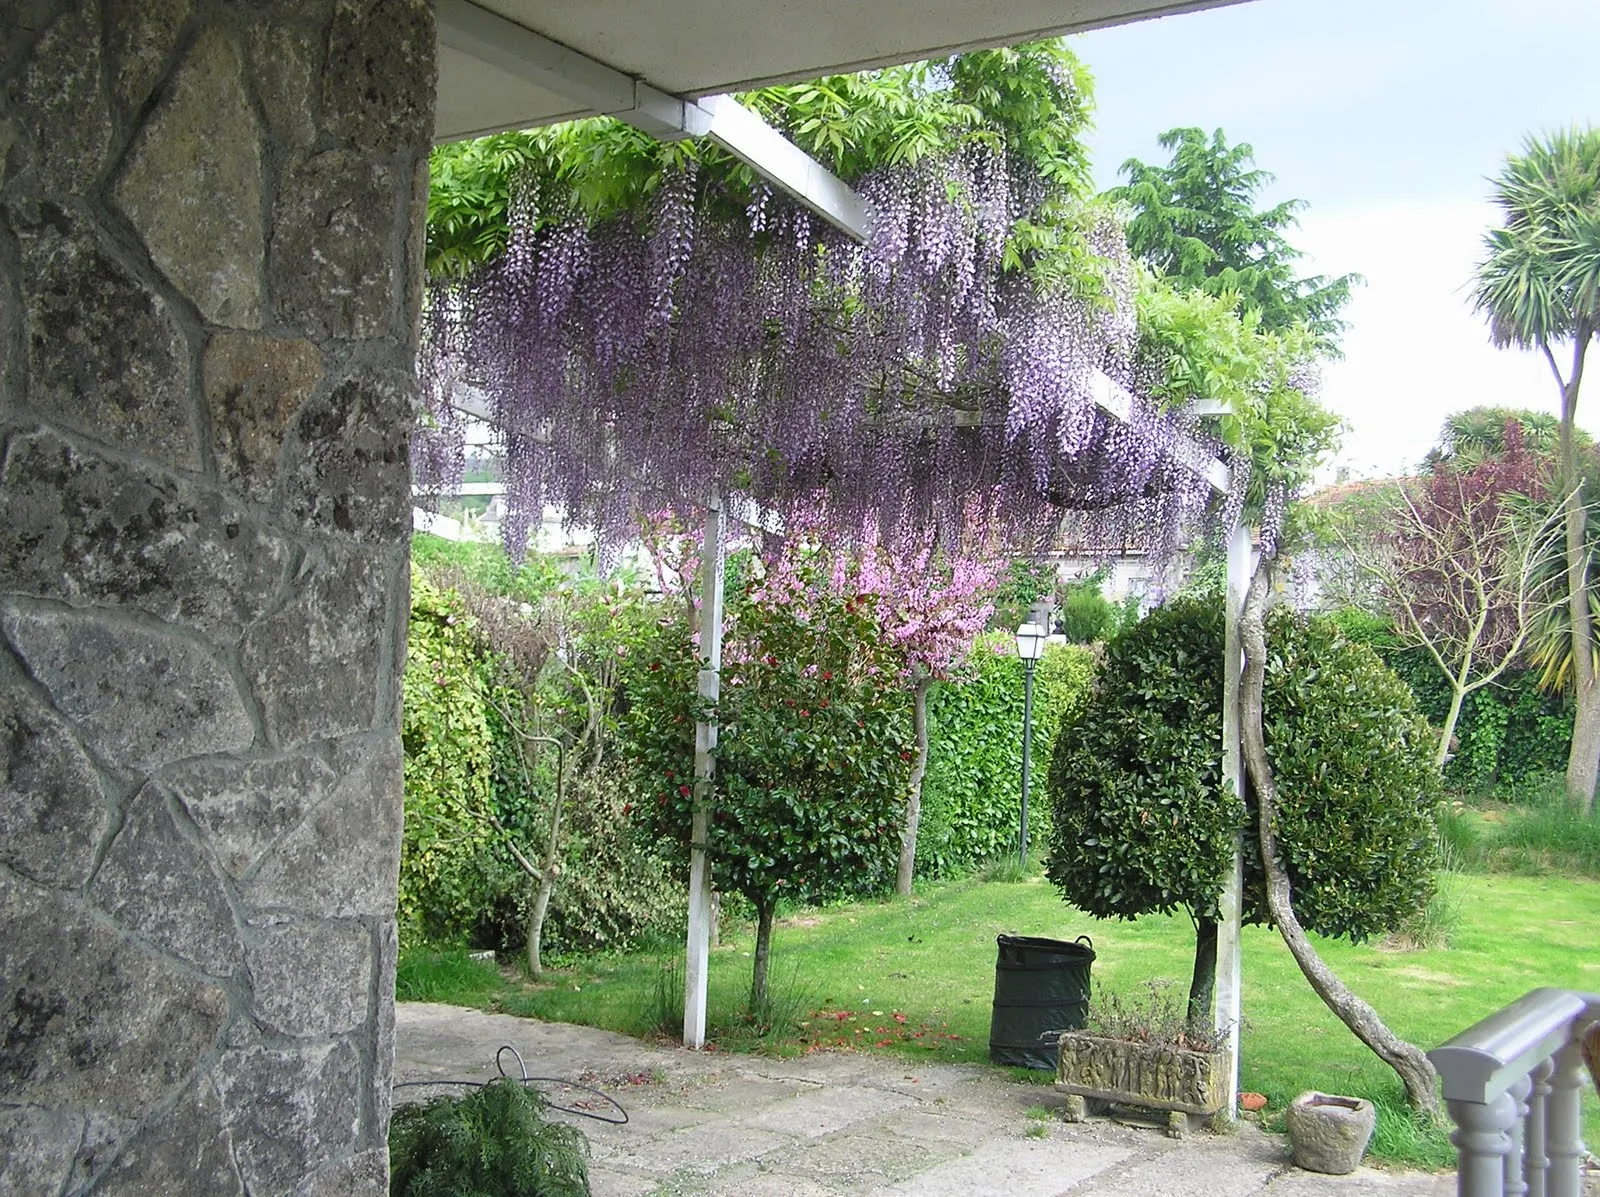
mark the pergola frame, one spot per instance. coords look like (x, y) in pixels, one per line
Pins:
(789, 169)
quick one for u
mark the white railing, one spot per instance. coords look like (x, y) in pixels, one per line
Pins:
(1513, 1084)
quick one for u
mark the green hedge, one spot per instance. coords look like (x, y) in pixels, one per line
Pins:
(972, 795)
(1510, 734)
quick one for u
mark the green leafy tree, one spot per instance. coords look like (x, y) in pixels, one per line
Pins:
(813, 757)
(1195, 220)
(1144, 823)
(1539, 285)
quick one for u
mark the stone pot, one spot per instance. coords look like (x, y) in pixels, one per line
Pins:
(1328, 1133)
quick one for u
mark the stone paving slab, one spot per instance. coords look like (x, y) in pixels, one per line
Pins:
(713, 1124)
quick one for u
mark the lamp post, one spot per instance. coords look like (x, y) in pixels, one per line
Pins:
(1030, 647)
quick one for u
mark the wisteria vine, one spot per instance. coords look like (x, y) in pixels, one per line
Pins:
(720, 342)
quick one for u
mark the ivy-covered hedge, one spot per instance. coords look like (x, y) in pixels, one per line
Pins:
(1510, 734)
(972, 795)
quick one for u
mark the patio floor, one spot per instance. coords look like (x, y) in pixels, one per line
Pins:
(851, 1123)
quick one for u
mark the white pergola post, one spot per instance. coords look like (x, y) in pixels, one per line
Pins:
(1229, 972)
(698, 956)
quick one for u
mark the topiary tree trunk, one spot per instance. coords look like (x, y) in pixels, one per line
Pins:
(1415, 1070)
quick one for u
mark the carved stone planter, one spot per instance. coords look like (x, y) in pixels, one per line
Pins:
(1330, 1134)
(1143, 1075)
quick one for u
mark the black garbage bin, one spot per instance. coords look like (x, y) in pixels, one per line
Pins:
(1041, 986)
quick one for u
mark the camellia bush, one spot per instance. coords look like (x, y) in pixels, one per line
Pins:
(1144, 824)
(813, 759)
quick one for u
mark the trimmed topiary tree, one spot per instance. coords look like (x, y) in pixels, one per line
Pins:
(1144, 825)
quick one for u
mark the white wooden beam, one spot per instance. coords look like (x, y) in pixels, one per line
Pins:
(1229, 1003)
(531, 56)
(698, 956)
(782, 163)
(1113, 399)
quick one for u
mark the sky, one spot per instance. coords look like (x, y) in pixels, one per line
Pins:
(1387, 117)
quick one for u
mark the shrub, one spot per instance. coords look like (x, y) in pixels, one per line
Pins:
(1143, 823)
(493, 1142)
(1085, 615)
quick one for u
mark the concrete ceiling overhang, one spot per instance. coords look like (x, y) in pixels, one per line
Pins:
(696, 48)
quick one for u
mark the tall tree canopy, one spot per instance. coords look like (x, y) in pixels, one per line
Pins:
(1539, 285)
(650, 323)
(1195, 221)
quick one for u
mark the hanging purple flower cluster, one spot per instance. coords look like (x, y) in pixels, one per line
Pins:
(717, 346)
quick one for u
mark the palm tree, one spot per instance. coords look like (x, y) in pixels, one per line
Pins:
(1540, 287)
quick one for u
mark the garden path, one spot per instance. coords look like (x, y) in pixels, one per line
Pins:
(851, 1123)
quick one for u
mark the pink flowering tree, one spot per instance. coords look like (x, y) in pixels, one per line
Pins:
(929, 604)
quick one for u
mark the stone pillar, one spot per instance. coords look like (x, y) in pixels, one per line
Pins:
(210, 243)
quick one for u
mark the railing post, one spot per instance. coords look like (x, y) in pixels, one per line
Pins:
(1516, 1184)
(1483, 1141)
(1563, 1129)
(1534, 1159)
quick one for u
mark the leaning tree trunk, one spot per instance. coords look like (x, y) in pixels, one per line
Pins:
(1416, 1072)
(547, 883)
(758, 979)
(919, 770)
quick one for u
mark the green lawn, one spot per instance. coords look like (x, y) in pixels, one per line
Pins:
(930, 961)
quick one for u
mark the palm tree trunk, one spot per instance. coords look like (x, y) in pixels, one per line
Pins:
(919, 770)
(1583, 760)
(1415, 1070)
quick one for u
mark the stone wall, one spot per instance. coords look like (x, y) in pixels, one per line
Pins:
(210, 222)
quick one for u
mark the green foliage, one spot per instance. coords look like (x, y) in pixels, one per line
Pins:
(492, 1142)
(1024, 583)
(459, 882)
(1540, 282)
(1509, 735)
(972, 795)
(1142, 821)
(1358, 796)
(1034, 101)
(1144, 824)
(1195, 220)
(1086, 616)
(446, 846)
(814, 748)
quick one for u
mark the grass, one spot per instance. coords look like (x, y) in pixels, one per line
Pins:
(915, 979)
(1542, 835)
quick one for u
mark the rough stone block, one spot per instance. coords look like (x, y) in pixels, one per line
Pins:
(105, 356)
(160, 886)
(343, 861)
(348, 470)
(186, 1150)
(60, 104)
(364, 1175)
(254, 385)
(315, 664)
(143, 698)
(88, 1019)
(192, 186)
(331, 261)
(242, 807)
(378, 90)
(311, 978)
(38, 1147)
(80, 528)
(141, 36)
(290, 1111)
(53, 808)
(286, 63)
(382, 1078)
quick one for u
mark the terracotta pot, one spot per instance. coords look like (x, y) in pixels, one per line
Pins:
(1330, 1133)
